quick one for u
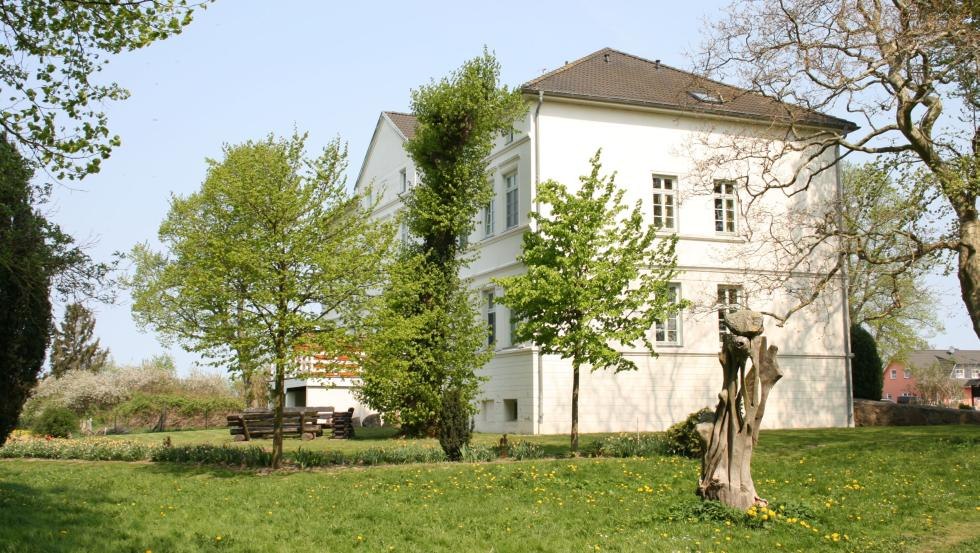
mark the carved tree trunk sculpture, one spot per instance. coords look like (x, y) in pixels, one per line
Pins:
(726, 472)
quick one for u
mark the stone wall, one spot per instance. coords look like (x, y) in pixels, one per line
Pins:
(886, 413)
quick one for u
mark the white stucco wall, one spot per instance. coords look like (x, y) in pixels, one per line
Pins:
(636, 143)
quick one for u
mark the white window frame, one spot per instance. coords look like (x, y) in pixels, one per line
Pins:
(488, 219)
(726, 292)
(512, 200)
(490, 316)
(725, 207)
(893, 375)
(664, 200)
(959, 372)
(662, 328)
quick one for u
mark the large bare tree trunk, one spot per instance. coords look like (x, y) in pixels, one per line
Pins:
(969, 266)
(726, 469)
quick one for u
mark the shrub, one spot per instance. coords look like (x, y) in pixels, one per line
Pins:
(627, 445)
(683, 438)
(204, 454)
(525, 450)
(866, 367)
(454, 424)
(478, 453)
(56, 421)
(966, 406)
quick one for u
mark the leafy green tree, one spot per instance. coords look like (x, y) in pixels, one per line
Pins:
(596, 276)
(426, 341)
(891, 299)
(270, 255)
(53, 50)
(25, 283)
(74, 346)
(866, 367)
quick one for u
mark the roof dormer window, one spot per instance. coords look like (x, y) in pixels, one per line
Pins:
(705, 96)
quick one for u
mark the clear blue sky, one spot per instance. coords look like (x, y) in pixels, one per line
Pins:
(246, 68)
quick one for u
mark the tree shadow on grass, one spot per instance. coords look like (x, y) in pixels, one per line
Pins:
(50, 519)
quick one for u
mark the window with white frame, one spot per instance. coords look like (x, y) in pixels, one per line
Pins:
(668, 331)
(729, 299)
(403, 180)
(664, 202)
(490, 306)
(725, 206)
(894, 374)
(512, 199)
(888, 396)
(488, 219)
(959, 373)
(908, 374)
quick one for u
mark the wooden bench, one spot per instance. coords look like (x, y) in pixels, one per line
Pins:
(305, 422)
(343, 424)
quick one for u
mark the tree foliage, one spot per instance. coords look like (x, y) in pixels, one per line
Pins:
(907, 72)
(891, 299)
(867, 377)
(597, 277)
(935, 385)
(48, 61)
(25, 282)
(74, 346)
(270, 255)
(426, 337)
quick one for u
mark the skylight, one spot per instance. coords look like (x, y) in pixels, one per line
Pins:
(706, 97)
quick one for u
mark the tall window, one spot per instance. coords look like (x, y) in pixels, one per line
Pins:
(488, 219)
(894, 374)
(403, 180)
(729, 298)
(490, 303)
(512, 199)
(664, 202)
(668, 331)
(725, 203)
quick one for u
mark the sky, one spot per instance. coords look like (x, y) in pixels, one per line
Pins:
(247, 68)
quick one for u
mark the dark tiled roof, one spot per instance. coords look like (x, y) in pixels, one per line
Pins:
(405, 122)
(924, 358)
(613, 76)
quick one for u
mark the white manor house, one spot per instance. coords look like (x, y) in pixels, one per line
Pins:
(644, 116)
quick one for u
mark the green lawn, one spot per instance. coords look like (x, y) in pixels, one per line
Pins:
(877, 489)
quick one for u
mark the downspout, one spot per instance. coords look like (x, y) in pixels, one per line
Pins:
(537, 209)
(845, 295)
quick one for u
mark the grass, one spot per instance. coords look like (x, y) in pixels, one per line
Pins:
(877, 489)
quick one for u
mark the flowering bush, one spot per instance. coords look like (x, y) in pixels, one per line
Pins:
(92, 449)
(526, 450)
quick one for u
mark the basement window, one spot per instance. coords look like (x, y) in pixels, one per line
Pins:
(510, 409)
(706, 97)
